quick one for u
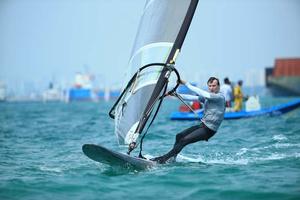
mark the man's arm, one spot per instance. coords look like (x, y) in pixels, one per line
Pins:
(198, 91)
(189, 97)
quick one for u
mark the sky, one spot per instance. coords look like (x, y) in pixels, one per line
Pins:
(51, 40)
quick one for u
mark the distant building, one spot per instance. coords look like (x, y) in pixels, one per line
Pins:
(3, 91)
(52, 94)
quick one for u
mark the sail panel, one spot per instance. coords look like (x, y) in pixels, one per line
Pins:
(161, 22)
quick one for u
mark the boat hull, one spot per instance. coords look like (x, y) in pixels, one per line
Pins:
(272, 111)
(284, 86)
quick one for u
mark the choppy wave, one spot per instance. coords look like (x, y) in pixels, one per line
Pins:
(279, 137)
(51, 169)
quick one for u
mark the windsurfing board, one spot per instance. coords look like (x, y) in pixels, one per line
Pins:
(113, 158)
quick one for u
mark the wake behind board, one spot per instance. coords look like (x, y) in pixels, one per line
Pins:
(114, 158)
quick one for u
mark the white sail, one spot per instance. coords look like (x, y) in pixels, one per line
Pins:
(159, 29)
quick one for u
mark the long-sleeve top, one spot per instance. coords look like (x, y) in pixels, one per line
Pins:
(227, 91)
(214, 106)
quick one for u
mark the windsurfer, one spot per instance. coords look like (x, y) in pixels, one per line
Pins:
(214, 108)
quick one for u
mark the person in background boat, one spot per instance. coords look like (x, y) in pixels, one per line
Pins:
(195, 105)
(238, 96)
(213, 115)
(227, 92)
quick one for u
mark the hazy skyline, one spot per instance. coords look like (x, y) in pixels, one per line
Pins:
(54, 39)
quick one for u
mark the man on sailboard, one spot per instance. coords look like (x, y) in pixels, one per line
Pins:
(214, 108)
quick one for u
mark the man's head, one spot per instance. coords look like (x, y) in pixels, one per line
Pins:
(240, 82)
(226, 81)
(213, 85)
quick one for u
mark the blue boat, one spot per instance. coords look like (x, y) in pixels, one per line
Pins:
(80, 94)
(272, 111)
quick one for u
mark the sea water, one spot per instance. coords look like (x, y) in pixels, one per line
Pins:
(41, 156)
